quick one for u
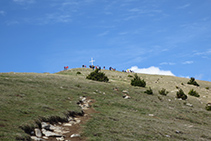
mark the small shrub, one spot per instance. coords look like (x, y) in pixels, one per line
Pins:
(192, 81)
(181, 94)
(182, 83)
(78, 85)
(98, 76)
(78, 72)
(208, 107)
(138, 82)
(193, 93)
(177, 87)
(163, 92)
(149, 91)
(130, 75)
(207, 88)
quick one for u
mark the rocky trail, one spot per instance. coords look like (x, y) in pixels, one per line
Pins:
(69, 131)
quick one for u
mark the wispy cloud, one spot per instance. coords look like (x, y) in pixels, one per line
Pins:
(24, 1)
(11, 22)
(3, 13)
(134, 10)
(199, 76)
(187, 62)
(103, 34)
(184, 6)
(204, 53)
(58, 18)
(151, 70)
(167, 63)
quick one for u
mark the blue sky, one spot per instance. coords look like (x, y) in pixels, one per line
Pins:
(170, 37)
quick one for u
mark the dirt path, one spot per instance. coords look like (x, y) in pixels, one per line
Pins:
(77, 129)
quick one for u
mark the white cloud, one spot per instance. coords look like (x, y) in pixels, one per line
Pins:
(167, 63)
(187, 62)
(184, 6)
(134, 10)
(207, 52)
(184, 76)
(151, 70)
(2, 13)
(12, 22)
(104, 33)
(24, 1)
(199, 77)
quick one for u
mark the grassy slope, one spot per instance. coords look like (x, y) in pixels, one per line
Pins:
(26, 97)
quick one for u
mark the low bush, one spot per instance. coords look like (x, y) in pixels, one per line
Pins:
(97, 76)
(163, 92)
(193, 93)
(192, 81)
(149, 91)
(78, 72)
(130, 75)
(181, 94)
(208, 107)
(137, 81)
(207, 88)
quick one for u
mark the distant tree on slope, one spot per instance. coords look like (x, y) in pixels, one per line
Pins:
(137, 81)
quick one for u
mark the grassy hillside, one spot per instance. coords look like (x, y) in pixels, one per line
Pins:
(28, 98)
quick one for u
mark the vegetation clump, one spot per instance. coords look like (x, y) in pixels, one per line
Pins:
(78, 72)
(98, 76)
(163, 92)
(193, 93)
(130, 75)
(208, 107)
(181, 94)
(192, 81)
(137, 81)
(149, 91)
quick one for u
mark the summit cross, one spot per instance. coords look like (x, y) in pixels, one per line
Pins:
(92, 61)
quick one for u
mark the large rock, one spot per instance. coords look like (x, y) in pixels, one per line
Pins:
(45, 125)
(38, 132)
(50, 134)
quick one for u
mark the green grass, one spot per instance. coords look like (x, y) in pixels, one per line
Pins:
(28, 98)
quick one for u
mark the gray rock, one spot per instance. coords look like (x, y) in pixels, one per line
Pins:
(38, 132)
(190, 105)
(36, 138)
(67, 124)
(75, 135)
(168, 136)
(125, 91)
(45, 125)
(50, 134)
(60, 138)
(151, 115)
(178, 132)
(126, 96)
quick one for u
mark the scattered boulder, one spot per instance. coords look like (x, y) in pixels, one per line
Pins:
(45, 125)
(60, 138)
(125, 91)
(126, 96)
(75, 135)
(151, 115)
(38, 132)
(50, 134)
(189, 104)
(178, 132)
(36, 138)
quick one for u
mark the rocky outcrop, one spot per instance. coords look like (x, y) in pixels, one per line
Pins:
(59, 131)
